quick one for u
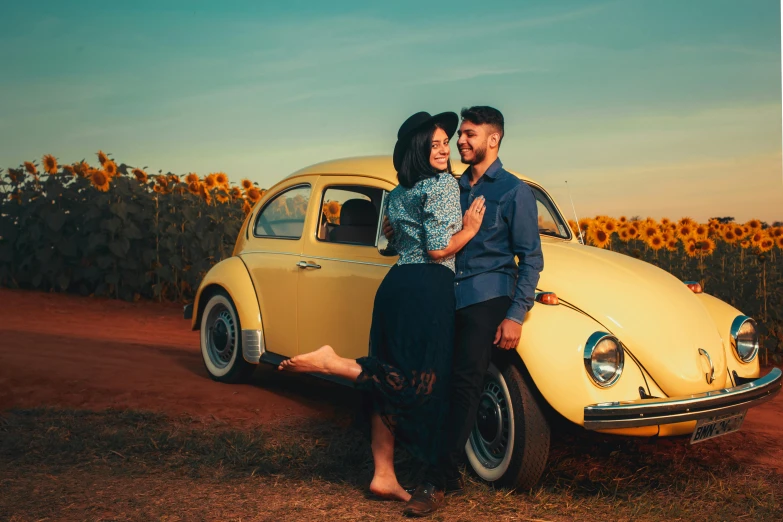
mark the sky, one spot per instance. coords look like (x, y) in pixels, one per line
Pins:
(645, 107)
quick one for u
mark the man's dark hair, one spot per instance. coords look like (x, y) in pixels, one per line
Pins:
(415, 165)
(484, 115)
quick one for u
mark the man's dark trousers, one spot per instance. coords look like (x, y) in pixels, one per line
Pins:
(476, 326)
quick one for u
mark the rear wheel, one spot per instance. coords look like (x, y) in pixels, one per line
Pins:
(509, 444)
(221, 341)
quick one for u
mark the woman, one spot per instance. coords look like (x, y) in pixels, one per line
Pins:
(412, 333)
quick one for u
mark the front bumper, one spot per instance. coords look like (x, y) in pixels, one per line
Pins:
(651, 412)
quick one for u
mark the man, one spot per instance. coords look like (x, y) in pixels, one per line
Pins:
(493, 294)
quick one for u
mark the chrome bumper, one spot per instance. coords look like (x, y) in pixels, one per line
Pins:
(651, 412)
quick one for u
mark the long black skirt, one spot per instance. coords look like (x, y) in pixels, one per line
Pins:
(407, 373)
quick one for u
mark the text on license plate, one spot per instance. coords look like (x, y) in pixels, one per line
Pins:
(712, 427)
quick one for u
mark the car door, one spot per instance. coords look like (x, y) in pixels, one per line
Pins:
(272, 253)
(344, 265)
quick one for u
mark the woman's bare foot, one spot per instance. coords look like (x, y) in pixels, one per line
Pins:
(389, 490)
(319, 361)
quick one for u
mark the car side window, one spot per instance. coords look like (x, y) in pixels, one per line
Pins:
(283, 217)
(349, 215)
(549, 222)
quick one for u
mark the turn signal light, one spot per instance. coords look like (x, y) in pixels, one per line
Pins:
(694, 286)
(547, 298)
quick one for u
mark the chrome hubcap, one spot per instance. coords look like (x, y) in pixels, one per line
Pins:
(490, 434)
(221, 336)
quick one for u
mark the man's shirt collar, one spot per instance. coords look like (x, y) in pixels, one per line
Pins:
(491, 173)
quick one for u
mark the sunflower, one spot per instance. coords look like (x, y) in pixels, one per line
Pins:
(247, 207)
(49, 164)
(333, 207)
(173, 178)
(754, 224)
(81, 169)
(205, 194)
(222, 179)
(194, 187)
(779, 242)
(253, 195)
(686, 221)
(222, 196)
(622, 219)
(610, 225)
(666, 236)
(776, 232)
(69, 169)
(236, 193)
(599, 237)
(706, 247)
(746, 229)
(766, 244)
(99, 178)
(110, 167)
(572, 225)
(757, 237)
(656, 242)
(671, 245)
(739, 231)
(141, 176)
(246, 184)
(633, 232)
(745, 243)
(102, 157)
(692, 250)
(192, 177)
(209, 181)
(158, 189)
(685, 230)
(31, 168)
(14, 175)
(624, 234)
(729, 236)
(649, 231)
(701, 231)
(665, 222)
(162, 181)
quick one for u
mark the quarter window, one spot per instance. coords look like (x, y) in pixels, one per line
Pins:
(549, 220)
(284, 216)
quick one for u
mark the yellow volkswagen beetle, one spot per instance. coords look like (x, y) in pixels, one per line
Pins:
(612, 344)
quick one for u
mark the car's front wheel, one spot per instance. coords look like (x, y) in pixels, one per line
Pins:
(509, 444)
(221, 341)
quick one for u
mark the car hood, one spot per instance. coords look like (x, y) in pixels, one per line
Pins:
(661, 322)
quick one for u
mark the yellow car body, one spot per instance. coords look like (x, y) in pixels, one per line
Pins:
(294, 294)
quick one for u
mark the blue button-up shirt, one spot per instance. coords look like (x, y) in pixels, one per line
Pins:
(486, 267)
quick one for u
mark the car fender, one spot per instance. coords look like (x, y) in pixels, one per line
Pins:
(232, 276)
(552, 349)
(724, 314)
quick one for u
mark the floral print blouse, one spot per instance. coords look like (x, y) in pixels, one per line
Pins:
(424, 218)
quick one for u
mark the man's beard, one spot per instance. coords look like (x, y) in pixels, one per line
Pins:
(479, 155)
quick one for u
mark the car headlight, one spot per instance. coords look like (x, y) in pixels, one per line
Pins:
(744, 338)
(604, 359)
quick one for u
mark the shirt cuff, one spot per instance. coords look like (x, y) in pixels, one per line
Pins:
(516, 314)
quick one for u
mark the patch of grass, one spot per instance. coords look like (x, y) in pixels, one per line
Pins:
(312, 469)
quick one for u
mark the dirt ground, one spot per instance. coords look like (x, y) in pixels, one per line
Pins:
(74, 353)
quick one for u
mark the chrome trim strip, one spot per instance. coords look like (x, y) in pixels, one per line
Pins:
(318, 257)
(736, 324)
(652, 412)
(252, 345)
(590, 345)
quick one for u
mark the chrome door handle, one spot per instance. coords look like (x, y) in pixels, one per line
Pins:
(305, 264)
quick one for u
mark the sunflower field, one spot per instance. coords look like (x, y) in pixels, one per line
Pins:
(117, 231)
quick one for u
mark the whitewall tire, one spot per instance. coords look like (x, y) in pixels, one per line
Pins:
(221, 341)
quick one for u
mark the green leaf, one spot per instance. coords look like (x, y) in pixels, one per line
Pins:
(105, 262)
(119, 247)
(63, 280)
(112, 279)
(119, 209)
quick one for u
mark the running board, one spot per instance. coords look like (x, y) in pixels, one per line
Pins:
(275, 359)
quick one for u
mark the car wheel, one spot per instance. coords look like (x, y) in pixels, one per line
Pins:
(221, 341)
(509, 444)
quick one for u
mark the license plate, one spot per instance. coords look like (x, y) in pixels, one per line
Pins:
(712, 427)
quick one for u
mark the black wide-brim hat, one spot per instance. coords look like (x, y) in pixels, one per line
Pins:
(446, 120)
